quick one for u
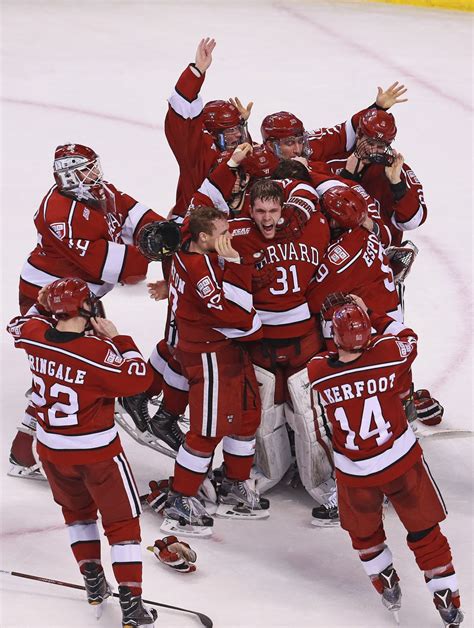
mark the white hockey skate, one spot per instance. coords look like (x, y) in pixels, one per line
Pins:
(241, 500)
(326, 515)
(127, 423)
(186, 516)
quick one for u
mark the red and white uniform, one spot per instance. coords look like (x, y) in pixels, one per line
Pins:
(282, 305)
(212, 303)
(75, 381)
(324, 180)
(192, 146)
(373, 443)
(335, 145)
(356, 263)
(75, 240)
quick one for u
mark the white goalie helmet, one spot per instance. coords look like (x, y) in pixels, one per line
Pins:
(77, 170)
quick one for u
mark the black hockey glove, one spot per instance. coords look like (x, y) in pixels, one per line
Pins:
(157, 240)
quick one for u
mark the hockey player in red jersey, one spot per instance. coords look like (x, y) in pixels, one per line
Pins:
(376, 454)
(75, 380)
(285, 134)
(293, 238)
(211, 297)
(86, 228)
(196, 133)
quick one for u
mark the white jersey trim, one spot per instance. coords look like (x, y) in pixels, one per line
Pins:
(80, 441)
(232, 332)
(41, 278)
(297, 314)
(210, 190)
(134, 216)
(350, 134)
(327, 185)
(237, 295)
(185, 109)
(413, 223)
(362, 468)
(113, 262)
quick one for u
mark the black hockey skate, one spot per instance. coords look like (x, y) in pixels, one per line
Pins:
(327, 514)
(187, 516)
(165, 426)
(450, 614)
(134, 612)
(238, 499)
(97, 587)
(136, 407)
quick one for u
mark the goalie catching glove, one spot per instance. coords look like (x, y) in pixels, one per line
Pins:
(176, 554)
(157, 240)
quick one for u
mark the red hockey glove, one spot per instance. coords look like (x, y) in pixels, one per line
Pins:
(429, 411)
(158, 495)
(262, 274)
(291, 224)
(176, 554)
(332, 302)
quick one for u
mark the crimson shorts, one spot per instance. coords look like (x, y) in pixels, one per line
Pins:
(414, 495)
(283, 358)
(223, 391)
(82, 490)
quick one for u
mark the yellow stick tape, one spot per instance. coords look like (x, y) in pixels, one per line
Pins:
(458, 5)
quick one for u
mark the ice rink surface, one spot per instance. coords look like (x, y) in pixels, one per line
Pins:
(99, 73)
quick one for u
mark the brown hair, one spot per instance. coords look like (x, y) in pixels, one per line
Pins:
(266, 190)
(201, 219)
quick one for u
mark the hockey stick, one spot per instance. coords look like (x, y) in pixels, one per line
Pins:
(204, 619)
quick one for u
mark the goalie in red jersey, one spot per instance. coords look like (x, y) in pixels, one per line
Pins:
(376, 453)
(86, 228)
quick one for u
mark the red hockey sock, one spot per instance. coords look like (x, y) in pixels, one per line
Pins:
(127, 565)
(192, 463)
(174, 401)
(85, 542)
(238, 457)
(431, 548)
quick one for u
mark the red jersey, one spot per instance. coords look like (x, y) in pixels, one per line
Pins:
(75, 240)
(332, 142)
(372, 440)
(75, 381)
(400, 212)
(282, 305)
(211, 302)
(356, 263)
(192, 146)
(324, 179)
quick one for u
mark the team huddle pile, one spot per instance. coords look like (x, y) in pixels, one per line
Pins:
(284, 266)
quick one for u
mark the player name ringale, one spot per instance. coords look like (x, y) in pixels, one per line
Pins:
(59, 371)
(351, 391)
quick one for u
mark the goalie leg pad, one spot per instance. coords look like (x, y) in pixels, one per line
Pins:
(312, 437)
(272, 452)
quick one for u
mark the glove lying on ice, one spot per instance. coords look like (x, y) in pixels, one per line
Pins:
(176, 554)
(157, 496)
(428, 409)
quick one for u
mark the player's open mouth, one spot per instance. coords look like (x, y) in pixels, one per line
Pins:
(268, 228)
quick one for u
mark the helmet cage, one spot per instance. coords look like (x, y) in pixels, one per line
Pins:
(72, 173)
(375, 151)
(275, 144)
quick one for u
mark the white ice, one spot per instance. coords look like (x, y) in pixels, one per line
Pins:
(99, 72)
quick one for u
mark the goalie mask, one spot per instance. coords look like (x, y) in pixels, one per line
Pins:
(78, 173)
(157, 240)
(224, 122)
(375, 133)
(71, 297)
(351, 328)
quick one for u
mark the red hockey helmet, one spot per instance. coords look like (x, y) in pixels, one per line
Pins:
(351, 328)
(219, 115)
(76, 165)
(67, 297)
(344, 205)
(378, 125)
(280, 125)
(261, 163)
